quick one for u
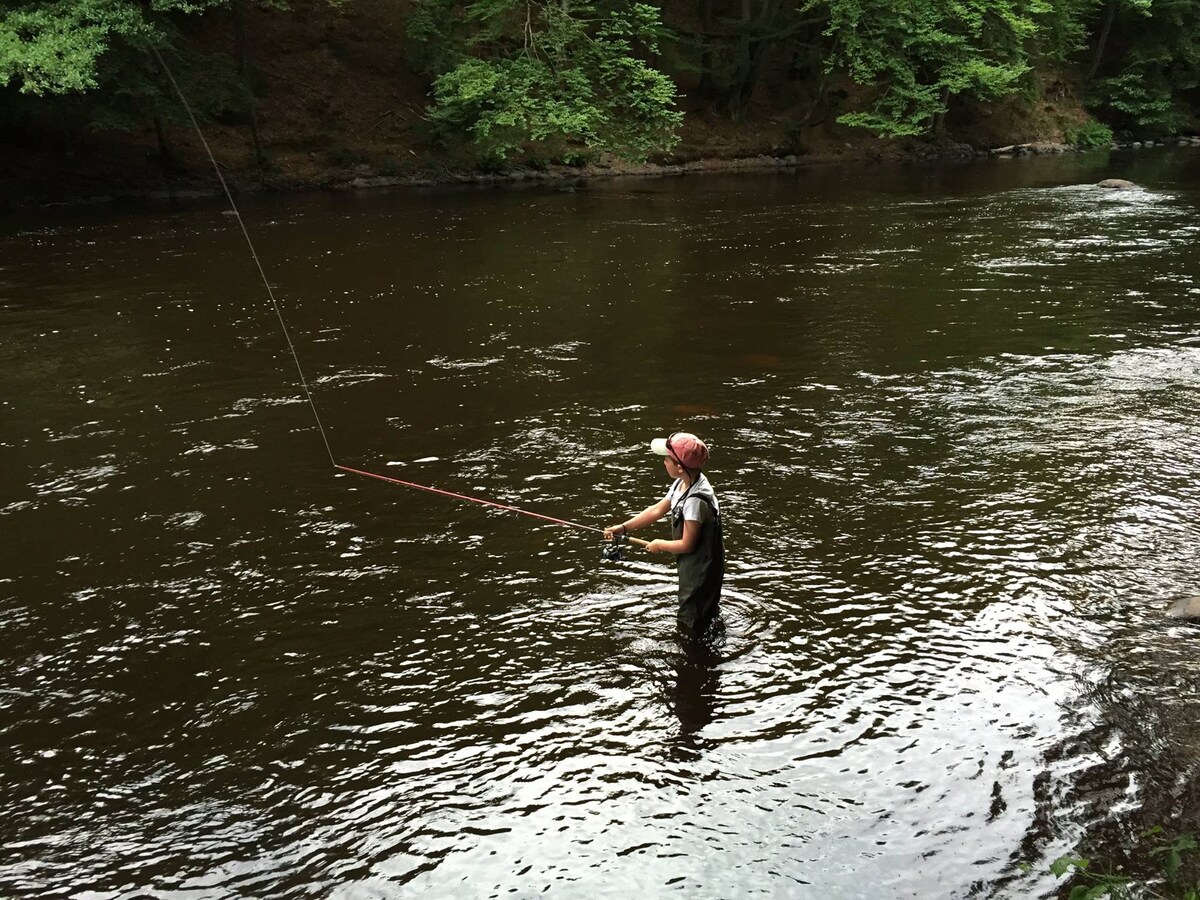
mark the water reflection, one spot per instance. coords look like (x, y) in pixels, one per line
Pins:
(955, 413)
(693, 699)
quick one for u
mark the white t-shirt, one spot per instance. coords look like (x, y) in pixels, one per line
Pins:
(694, 509)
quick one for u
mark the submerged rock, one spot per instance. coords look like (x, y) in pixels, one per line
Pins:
(1187, 608)
(1117, 184)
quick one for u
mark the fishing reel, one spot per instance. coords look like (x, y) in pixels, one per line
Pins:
(614, 550)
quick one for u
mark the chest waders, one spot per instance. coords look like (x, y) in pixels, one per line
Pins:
(702, 571)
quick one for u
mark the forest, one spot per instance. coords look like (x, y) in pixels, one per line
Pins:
(494, 84)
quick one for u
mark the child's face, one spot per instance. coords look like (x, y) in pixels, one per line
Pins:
(674, 469)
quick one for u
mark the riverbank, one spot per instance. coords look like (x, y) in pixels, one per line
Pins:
(334, 97)
(337, 105)
(110, 177)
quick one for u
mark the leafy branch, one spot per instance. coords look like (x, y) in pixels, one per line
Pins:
(1095, 885)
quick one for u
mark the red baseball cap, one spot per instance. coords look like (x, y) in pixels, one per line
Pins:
(686, 449)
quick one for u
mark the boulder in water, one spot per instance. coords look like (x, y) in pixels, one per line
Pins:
(1117, 184)
(1187, 608)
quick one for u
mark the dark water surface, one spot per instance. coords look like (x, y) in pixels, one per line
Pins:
(955, 421)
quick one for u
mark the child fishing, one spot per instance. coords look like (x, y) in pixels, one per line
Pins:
(695, 528)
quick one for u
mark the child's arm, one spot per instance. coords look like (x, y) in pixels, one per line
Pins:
(647, 516)
(686, 544)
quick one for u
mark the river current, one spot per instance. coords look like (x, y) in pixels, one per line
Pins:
(954, 416)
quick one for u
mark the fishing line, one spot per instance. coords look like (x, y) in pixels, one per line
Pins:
(249, 243)
(296, 357)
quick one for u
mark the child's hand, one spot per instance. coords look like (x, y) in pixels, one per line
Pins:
(655, 547)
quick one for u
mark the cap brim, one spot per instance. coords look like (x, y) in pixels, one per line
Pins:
(659, 446)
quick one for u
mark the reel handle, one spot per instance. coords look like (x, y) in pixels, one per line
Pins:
(624, 538)
(613, 548)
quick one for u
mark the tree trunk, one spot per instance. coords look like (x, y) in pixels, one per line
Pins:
(819, 96)
(707, 88)
(68, 135)
(939, 121)
(239, 27)
(165, 156)
(1110, 16)
(752, 49)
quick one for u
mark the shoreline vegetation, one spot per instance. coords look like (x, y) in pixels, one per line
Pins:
(330, 94)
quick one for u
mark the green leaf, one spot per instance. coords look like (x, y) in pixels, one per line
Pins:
(533, 78)
(1064, 864)
(919, 55)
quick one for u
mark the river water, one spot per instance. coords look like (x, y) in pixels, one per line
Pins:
(955, 423)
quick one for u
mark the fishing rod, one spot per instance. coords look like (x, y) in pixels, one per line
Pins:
(613, 550)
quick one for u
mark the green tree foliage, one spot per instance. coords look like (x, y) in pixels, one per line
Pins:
(1092, 135)
(1064, 32)
(72, 67)
(565, 79)
(913, 58)
(555, 79)
(55, 47)
(921, 53)
(1154, 65)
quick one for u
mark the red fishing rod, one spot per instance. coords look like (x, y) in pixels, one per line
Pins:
(492, 503)
(617, 540)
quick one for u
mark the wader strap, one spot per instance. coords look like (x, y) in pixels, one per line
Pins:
(678, 507)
